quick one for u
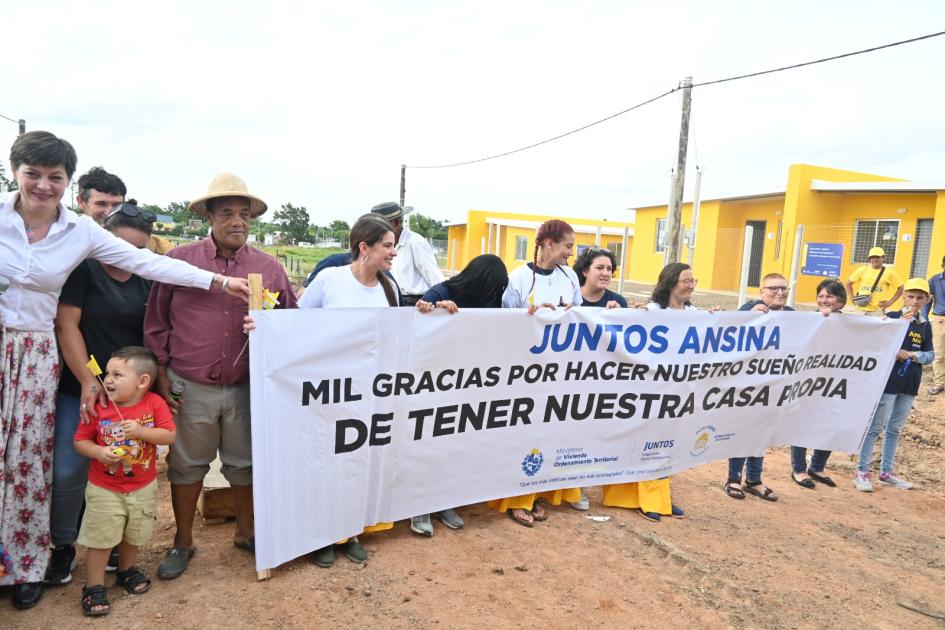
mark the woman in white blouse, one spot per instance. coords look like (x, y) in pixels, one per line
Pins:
(41, 242)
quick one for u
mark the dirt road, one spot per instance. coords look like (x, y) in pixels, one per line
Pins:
(816, 558)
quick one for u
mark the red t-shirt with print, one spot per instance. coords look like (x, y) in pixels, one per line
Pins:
(136, 468)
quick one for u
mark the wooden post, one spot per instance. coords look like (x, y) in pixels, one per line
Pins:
(255, 291)
(675, 202)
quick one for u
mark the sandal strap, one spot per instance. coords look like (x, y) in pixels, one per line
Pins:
(131, 578)
(94, 596)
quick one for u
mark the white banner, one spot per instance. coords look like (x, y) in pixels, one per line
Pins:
(363, 416)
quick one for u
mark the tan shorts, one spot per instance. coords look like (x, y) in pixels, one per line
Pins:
(211, 418)
(113, 517)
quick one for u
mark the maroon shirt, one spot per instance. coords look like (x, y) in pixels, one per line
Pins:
(198, 333)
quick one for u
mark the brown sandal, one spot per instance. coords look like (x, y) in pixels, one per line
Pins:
(539, 513)
(523, 518)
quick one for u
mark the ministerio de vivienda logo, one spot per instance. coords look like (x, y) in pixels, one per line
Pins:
(532, 462)
(703, 435)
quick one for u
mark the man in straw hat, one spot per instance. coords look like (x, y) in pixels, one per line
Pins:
(198, 340)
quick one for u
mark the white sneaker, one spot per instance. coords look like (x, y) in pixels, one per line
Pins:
(892, 479)
(862, 481)
(583, 504)
(421, 525)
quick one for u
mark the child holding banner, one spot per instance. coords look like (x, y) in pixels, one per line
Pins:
(546, 282)
(480, 285)
(901, 389)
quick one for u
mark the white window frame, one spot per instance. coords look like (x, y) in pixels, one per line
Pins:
(860, 224)
(521, 243)
(661, 227)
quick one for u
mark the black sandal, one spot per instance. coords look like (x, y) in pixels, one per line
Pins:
(733, 488)
(132, 578)
(765, 492)
(824, 479)
(95, 596)
(804, 483)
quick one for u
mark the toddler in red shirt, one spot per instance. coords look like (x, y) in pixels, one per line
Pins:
(121, 497)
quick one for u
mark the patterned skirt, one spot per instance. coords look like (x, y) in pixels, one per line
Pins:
(29, 377)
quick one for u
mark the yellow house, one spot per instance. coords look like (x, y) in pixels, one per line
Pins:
(822, 224)
(511, 236)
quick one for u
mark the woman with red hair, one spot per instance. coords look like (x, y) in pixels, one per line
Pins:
(546, 282)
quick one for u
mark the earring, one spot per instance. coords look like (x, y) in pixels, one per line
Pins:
(364, 259)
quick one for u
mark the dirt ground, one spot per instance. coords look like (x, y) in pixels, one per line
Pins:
(816, 558)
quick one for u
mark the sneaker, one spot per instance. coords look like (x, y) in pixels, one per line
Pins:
(112, 565)
(678, 511)
(355, 551)
(862, 481)
(61, 564)
(421, 525)
(325, 556)
(650, 516)
(582, 504)
(892, 479)
(450, 518)
(175, 562)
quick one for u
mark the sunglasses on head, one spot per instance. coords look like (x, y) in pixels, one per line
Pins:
(132, 211)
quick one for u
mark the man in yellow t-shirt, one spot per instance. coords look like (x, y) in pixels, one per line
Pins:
(865, 277)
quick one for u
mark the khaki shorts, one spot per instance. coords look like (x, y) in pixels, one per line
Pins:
(113, 517)
(211, 418)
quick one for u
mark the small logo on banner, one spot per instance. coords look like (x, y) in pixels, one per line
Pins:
(703, 435)
(532, 462)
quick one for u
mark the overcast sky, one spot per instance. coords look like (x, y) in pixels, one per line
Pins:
(318, 103)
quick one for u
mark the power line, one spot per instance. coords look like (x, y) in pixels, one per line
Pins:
(13, 120)
(695, 85)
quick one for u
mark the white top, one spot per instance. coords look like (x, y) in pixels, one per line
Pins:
(561, 286)
(37, 272)
(336, 287)
(653, 306)
(415, 267)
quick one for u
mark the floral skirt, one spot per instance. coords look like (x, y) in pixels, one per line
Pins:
(29, 377)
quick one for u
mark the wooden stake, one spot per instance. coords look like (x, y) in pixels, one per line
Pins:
(255, 292)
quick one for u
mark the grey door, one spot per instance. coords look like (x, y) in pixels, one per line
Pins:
(757, 252)
(923, 246)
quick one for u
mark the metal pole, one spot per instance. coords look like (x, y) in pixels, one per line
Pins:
(623, 258)
(675, 203)
(696, 202)
(746, 263)
(403, 184)
(795, 263)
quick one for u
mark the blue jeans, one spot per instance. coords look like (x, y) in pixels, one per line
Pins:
(893, 410)
(70, 474)
(752, 466)
(818, 460)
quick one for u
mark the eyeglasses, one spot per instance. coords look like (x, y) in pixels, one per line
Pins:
(777, 289)
(594, 249)
(690, 283)
(132, 211)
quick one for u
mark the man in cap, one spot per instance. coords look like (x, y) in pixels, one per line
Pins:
(414, 268)
(198, 339)
(873, 281)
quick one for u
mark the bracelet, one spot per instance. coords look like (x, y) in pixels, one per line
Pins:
(226, 281)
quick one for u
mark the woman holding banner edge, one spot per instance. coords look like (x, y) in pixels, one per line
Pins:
(546, 282)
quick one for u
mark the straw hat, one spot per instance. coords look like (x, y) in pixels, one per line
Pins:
(227, 185)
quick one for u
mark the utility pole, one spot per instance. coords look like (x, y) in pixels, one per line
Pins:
(403, 184)
(22, 126)
(674, 220)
